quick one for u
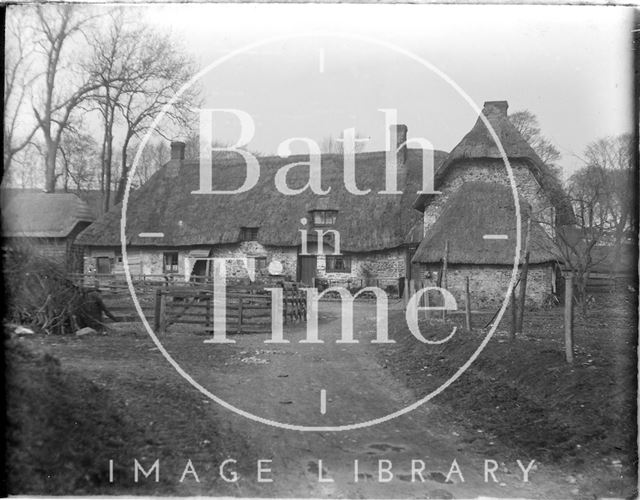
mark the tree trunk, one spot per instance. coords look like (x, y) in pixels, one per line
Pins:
(102, 156)
(568, 319)
(124, 172)
(108, 157)
(582, 287)
(50, 166)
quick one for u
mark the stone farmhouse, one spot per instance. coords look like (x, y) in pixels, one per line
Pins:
(378, 233)
(172, 231)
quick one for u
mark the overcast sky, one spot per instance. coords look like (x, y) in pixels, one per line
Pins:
(571, 66)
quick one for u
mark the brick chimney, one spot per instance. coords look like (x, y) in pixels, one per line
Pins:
(177, 150)
(496, 108)
(399, 133)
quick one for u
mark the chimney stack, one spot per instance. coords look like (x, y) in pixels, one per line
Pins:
(400, 134)
(177, 150)
(496, 108)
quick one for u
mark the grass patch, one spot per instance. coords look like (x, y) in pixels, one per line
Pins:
(520, 397)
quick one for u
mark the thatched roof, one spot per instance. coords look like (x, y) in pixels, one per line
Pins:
(366, 222)
(475, 210)
(41, 215)
(479, 144)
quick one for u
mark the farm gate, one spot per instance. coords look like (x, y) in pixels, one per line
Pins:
(248, 307)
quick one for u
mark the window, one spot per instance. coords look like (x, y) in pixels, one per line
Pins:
(261, 263)
(324, 217)
(170, 260)
(103, 265)
(249, 233)
(338, 264)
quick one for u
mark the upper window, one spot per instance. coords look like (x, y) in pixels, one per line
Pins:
(324, 217)
(249, 233)
(170, 262)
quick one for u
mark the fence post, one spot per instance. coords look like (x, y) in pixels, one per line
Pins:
(162, 328)
(285, 300)
(405, 292)
(240, 314)
(209, 303)
(514, 314)
(156, 317)
(467, 306)
(568, 318)
(427, 301)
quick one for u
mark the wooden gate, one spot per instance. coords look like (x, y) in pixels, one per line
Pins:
(247, 308)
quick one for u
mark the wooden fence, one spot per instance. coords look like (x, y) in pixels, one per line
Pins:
(247, 308)
(606, 282)
(118, 282)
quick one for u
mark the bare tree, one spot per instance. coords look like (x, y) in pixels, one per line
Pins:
(601, 196)
(78, 158)
(611, 157)
(115, 65)
(18, 59)
(527, 124)
(166, 69)
(153, 156)
(64, 85)
(28, 171)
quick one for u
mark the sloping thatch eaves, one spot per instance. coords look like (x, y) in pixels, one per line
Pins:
(366, 222)
(479, 144)
(42, 215)
(475, 210)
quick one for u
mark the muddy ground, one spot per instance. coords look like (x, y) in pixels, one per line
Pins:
(116, 397)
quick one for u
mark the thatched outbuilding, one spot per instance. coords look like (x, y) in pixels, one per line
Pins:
(472, 218)
(475, 213)
(47, 222)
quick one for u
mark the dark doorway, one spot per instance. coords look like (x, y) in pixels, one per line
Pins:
(307, 265)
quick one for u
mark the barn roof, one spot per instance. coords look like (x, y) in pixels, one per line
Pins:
(38, 214)
(479, 144)
(366, 222)
(475, 210)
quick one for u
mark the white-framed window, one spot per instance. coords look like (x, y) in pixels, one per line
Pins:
(169, 262)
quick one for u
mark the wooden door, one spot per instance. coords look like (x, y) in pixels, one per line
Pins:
(307, 265)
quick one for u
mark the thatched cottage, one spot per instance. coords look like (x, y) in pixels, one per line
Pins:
(378, 232)
(476, 204)
(48, 223)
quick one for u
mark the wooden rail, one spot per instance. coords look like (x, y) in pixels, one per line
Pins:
(247, 308)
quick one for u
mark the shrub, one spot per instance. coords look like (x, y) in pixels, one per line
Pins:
(37, 290)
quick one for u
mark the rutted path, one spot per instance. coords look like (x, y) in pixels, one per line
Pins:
(283, 382)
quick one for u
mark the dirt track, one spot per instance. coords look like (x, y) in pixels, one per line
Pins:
(283, 382)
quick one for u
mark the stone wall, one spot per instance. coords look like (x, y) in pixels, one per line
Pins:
(287, 256)
(150, 260)
(385, 266)
(492, 171)
(488, 284)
